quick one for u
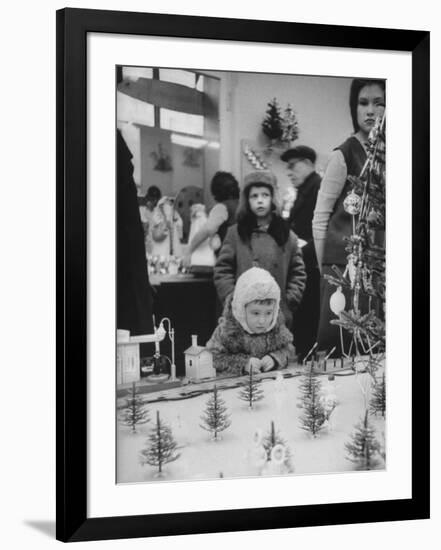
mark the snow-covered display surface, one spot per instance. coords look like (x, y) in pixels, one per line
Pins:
(236, 453)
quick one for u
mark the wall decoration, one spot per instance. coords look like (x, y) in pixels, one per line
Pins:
(192, 157)
(254, 158)
(290, 127)
(162, 159)
(272, 123)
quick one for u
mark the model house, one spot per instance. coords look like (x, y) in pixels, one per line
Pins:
(198, 361)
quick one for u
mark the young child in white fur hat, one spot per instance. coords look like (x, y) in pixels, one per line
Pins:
(252, 334)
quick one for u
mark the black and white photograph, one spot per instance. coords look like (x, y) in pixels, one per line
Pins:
(250, 274)
(219, 303)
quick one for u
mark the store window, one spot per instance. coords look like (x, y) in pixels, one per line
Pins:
(170, 120)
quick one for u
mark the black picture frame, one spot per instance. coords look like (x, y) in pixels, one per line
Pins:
(73, 25)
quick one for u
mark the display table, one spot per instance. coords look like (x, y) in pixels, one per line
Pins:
(181, 408)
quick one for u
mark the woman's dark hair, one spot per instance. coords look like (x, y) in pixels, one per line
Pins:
(224, 186)
(153, 192)
(247, 220)
(356, 86)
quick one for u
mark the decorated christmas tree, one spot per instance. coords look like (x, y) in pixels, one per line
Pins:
(313, 415)
(290, 126)
(272, 123)
(378, 399)
(363, 448)
(251, 390)
(273, 438)
(364, 277)
(135, 411)
(161, 446)
(215, 418)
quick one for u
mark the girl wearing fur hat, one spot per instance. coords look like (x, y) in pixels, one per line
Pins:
(251, 334)
(261, 238)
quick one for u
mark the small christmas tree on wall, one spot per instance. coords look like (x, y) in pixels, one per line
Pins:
(290, 126)
(161, 446)
(215, 418)
(135, 411)
(251, 390)
(378, 399)
(314, 414)
(272, 123)
(363, 448)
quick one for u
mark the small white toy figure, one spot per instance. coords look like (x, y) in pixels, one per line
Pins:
(276, 465)
(256, 454)
(166, 229)
(328, 399)
(203, 255)
(279, 387)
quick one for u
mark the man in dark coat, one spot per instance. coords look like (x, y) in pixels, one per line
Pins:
(134, 294)
(301, 172)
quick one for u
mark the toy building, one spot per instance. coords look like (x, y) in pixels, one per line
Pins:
(127, 360)
(128, 356)
(198, 361)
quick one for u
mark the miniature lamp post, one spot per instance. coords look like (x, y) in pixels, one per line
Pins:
(171, 335)
(159, 331)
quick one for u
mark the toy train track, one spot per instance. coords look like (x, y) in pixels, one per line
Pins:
(176, 391)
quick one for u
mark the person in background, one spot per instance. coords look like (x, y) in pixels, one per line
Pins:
(261, 238)
(152, 197)
(134, 294)
(225, 190)
(146, 213)
(300, 164)
(331, 223)
(166, 229)
(251, 334)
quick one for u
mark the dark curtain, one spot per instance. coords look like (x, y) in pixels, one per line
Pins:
(134, 295)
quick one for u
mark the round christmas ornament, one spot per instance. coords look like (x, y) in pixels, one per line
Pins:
(278, 454)
(352, 203)
(259, 458)
(337, 302)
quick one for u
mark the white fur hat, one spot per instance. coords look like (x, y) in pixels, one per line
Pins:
(254, 284)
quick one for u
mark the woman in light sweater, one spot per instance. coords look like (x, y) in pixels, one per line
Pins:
(225, 190)
(331, 223)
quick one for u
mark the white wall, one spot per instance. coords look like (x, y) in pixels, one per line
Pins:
(321, 106)
(27, 276)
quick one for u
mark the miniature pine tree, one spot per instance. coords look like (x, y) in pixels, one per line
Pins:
(215, 417)
(378, 399)
(290, 126)
(272, 124)
(273, 438)
(135, 411)
(314, 414)
(161, 446)
(251, 390)
(363, 449)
